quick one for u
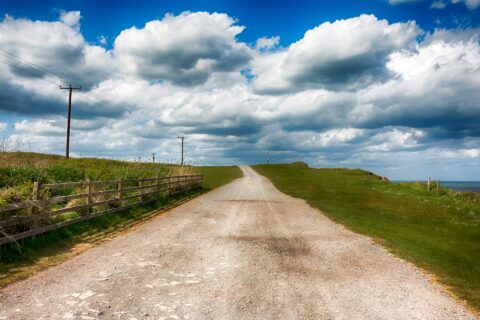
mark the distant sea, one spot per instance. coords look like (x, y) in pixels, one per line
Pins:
(473, 186)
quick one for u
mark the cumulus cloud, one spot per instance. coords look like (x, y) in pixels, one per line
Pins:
(184, 50)
(71, 18)
(266, 43)
(54, 46)
(436, 86)
(343, 55)
(360, 92)
(3, 126)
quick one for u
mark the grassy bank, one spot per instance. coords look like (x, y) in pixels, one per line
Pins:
(214, 177)
(19, 170)
(437, 232)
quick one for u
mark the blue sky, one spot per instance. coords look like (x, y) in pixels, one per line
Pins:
(288, 19)
(389, 86)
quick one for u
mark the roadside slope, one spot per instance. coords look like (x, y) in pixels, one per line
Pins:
(59, 245)
(438, 232)
(242, 251)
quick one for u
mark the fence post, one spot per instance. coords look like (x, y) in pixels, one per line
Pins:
(89, 195)
(120, 192)
(169, 184)
(438, 186)
(34, 209)
(141, 184)
(428, 183)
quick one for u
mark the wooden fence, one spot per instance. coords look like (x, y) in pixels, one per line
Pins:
(57, 205)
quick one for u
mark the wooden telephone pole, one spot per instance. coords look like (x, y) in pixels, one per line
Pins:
(183, 138)
(70, 90)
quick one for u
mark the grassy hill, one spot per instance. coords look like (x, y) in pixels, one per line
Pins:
(437, 232)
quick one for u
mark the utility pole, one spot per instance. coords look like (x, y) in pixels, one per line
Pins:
(183, 138)
(153, 157)
(70, 90)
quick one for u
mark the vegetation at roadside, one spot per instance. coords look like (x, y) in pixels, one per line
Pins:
(18, 171)
(437, 232)
(214, 177)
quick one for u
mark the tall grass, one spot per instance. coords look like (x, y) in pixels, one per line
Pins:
(18, 171)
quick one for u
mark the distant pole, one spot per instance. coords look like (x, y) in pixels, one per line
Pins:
(153, 157)
(182, 138)
(267, 155)
(70, 90)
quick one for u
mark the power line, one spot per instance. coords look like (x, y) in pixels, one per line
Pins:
(34, 66)
(40, 76)
(52, 77)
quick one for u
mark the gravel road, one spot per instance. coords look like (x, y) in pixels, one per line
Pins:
(243, 251)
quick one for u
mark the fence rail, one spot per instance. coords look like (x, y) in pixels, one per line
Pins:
(57, 205)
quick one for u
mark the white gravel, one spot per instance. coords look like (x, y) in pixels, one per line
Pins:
(243, 251)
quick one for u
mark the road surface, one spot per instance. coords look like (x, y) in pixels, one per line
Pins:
(243, 251)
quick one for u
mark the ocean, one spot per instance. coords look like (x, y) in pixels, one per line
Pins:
(473, 186)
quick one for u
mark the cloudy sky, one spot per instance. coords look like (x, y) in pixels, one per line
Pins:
(391, 86)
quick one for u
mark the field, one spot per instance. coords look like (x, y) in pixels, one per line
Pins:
(437, 232)
(19, 170)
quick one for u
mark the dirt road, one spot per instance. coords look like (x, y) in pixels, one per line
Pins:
(244, 251)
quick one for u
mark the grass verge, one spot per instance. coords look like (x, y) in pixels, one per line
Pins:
(214, 177)
(57, 246)
(439, 233)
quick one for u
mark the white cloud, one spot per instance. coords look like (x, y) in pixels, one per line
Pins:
(102, 40)
(345, 54)
(471, 4)
(438, 4)
(39, 127)
(3, 126)
(266, 43)
(54, 46)
(358, 92)
(395, 139)
(71, 18)
(185, 50)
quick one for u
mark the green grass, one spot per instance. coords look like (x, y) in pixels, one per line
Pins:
(439, 233)
(214, 177)
(35, 254)
(18, 171)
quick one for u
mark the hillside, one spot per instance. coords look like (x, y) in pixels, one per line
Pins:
(437, 232)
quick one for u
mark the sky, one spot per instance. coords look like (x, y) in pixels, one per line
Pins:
(390, 86)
